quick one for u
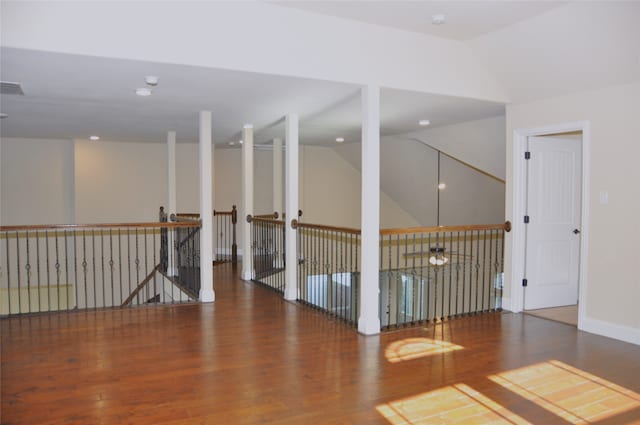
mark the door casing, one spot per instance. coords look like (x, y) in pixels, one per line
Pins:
(519, 193)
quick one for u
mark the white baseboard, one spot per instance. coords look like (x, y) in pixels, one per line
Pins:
(506, 304)
(611, 330)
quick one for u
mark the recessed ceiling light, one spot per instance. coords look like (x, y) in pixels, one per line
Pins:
(339, 139)
(441, 186)
(241, 141)
(151, 80)
(143, 91)
(424, 123)
(232, 143)
(94, 138)
(437, 19)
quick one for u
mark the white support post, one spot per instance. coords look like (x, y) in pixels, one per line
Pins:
(247, 200)
(291, 139)
(206, 210)
(171, 202)
(369, 321)
(277, 176)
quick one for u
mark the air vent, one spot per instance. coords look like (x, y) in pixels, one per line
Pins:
(7, 87)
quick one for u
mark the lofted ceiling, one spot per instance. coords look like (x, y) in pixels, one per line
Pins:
(78, 96)
(535, 49)
(464, 20)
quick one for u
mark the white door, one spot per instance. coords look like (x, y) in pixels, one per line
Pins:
(554, 180)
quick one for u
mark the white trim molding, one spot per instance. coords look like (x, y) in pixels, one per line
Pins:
(611, 330)
(515, 302)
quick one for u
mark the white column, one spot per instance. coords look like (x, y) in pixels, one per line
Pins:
(171, 202)
(206, 210)
(291, 209)
(277, 176)
(369, 321)
(247, 200)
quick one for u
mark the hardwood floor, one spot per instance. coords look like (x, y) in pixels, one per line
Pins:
(567, 314)
(251, 358)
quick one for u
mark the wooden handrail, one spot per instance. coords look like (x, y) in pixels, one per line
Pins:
(400, 231)
(262, 219)
(187, 214)
(184, 218)
(299, 225)
(461, 228)
(141, 285)
(273, 215)
(97, 225)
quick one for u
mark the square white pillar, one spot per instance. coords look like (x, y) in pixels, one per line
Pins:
(206, 209)
(277, 176)
(247, 200)
(171, 201)
(369, 320)
(291, 245)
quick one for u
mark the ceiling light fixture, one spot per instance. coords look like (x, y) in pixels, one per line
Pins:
(94, 138)
(241, 141)
(232, 143)
(339, 139)
(424, 123)
(144, 91)
(437, 19)
(151, 80)
(437, 257)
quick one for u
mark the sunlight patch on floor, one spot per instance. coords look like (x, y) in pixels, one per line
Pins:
(413, 348)
(455, 404)
(572, 394)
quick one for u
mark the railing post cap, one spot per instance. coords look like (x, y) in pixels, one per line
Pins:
(294, 224)
(507, 226)
(249, 218)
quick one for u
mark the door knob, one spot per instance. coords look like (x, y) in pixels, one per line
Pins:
(576, 231)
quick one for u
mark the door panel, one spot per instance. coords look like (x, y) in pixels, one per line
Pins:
(554, 205)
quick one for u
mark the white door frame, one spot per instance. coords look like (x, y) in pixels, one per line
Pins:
(518, 211)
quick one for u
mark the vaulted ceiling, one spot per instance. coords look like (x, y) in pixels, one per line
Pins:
(533, 49)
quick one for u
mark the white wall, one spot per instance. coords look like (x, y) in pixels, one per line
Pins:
(480, 143)
(279, 41)
(612, 289)
(37, 181)
(120, 182)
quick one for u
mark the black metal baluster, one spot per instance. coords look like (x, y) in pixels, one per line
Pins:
(57, 266)
(477, 285)
(46, 247)
(84, 267)
(458, 273)
(28, 269)
(38, 269)
(66, 268)
(93, 263)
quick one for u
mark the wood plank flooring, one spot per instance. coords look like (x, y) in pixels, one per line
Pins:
(567, 314)
(253, 358)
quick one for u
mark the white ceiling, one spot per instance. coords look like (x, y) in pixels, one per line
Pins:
(464, 19)
(71, 96)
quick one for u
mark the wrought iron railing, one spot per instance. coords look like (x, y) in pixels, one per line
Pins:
(268, 250)
(225, 245)
(46, 268)
(436, 273)
(328, 269)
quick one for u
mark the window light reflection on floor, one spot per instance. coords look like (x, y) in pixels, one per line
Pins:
(413, 348)
(455, 404)
(572, 394)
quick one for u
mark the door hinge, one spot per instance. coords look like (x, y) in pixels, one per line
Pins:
(524, 282)
(526, 219)
(527, 155)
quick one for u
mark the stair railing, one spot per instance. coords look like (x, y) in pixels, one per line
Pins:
(46, 268)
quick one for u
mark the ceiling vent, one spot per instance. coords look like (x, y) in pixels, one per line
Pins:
(7, 87)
